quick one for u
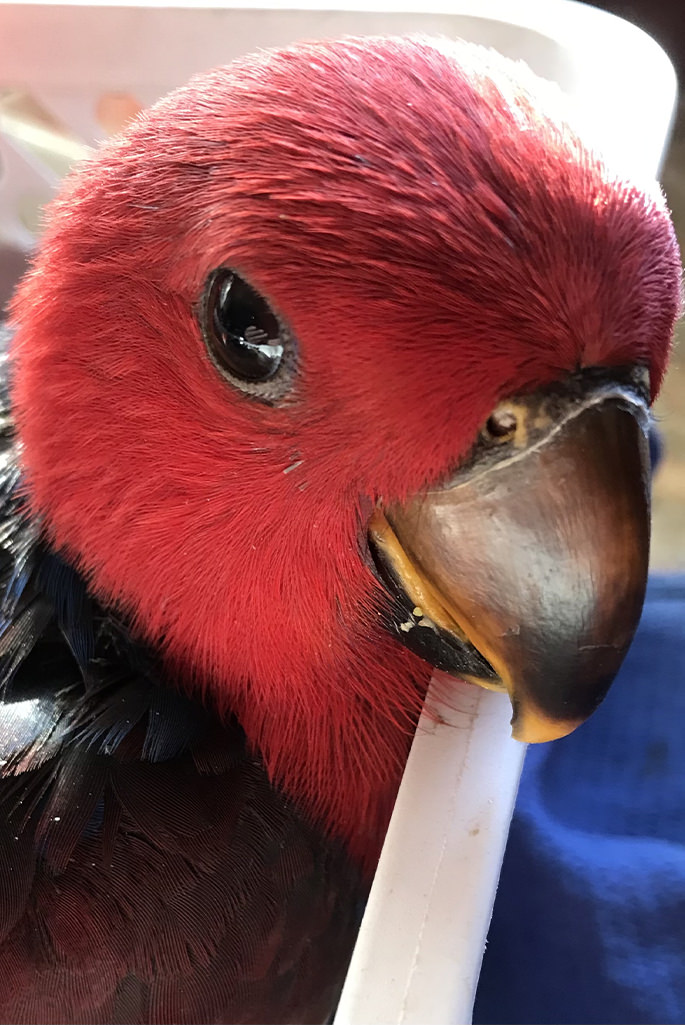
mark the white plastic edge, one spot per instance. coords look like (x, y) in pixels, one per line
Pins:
(421, 943)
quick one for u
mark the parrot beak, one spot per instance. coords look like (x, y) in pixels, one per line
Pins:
(527, 570)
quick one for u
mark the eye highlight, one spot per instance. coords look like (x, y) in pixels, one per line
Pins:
(246, 341)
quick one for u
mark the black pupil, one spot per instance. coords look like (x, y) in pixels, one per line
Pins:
(245, 331)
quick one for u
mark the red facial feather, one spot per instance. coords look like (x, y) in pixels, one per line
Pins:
(436, 239)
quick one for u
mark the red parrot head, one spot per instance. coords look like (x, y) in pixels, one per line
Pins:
(335, 366)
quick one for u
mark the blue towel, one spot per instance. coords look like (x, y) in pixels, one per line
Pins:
(589, 921)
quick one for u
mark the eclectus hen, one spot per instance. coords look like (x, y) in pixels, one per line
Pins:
(331, 369)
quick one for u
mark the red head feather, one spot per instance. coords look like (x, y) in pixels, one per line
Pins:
(436, 239)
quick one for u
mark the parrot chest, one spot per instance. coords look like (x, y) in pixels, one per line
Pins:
(149, 871)
(151, 892)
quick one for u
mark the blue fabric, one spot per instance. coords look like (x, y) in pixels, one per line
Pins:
(589, 921)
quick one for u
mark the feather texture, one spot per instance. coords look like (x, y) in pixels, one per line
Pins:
(149, 872)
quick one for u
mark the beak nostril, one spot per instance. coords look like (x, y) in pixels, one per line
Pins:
(501, 425)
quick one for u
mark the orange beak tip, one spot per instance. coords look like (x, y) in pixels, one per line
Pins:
(529, 726)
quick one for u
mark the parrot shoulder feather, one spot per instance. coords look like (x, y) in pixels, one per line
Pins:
(149, 871)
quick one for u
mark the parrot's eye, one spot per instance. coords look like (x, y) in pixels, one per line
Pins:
(245, 339)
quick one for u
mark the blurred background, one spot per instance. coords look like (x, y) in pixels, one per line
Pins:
(668, 543)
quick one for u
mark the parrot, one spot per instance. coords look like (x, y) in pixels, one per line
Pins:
(331, 372)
